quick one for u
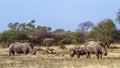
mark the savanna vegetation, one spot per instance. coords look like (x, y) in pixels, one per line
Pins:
(105, 32)
(59, 43)
(61, 60)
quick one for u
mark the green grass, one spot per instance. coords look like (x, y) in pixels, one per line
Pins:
(59, 61)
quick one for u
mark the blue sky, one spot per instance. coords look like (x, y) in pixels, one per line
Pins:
(66, 14)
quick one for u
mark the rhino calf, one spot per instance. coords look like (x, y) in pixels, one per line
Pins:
(90, 47)
(79, 51)
(19, 48)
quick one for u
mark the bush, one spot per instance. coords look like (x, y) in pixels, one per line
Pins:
(11, 36)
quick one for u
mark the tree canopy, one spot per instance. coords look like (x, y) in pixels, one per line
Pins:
(104, 31)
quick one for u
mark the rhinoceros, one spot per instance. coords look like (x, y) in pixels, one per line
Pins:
(19, 48)
(97, 48)
(79, 51)
(90, 47)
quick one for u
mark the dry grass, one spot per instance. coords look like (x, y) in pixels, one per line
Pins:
(63, 60)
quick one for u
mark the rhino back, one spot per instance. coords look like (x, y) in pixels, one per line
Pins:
(92, 46)
(21, 47)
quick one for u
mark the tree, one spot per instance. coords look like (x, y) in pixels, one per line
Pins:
(104, 31)
(85, 27)
(59, 30)
(36, 35)
(77, 37)
(13, 26)
(22, 26)
(117, 36)
(11, 36)
(118, 16)
(30, 25)
(44, 28)
(59, 35)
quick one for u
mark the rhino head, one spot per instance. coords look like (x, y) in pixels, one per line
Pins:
(104, 49)
(73, 52)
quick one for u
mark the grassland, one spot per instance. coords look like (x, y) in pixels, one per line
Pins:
(62, 60)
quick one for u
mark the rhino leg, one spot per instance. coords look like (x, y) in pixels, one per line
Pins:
(97, 55)
(72, 54)
(25, 52)
(88, 56)
(11, 53)
(100, 55)
(78, 55)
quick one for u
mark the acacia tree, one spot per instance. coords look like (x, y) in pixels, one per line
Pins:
(22, 26)
(34, 34)
(30, 25)
(13, 26)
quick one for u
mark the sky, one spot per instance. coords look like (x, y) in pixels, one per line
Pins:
(57, 14)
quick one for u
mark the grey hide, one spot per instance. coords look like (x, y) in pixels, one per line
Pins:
(19, 48)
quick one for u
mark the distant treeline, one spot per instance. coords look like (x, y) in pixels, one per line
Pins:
(105, 32)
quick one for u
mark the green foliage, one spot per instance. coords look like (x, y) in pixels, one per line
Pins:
(30, 25)
(104, 31)
(44, 28)
(59, 30)
(12, 36)
(13, 26)
(118, 16)
(61, 44)
(22, 26)
(77, 37)
(59, 35)
(84, 28)
(65, 41)
(34, 34)
(117, 36)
